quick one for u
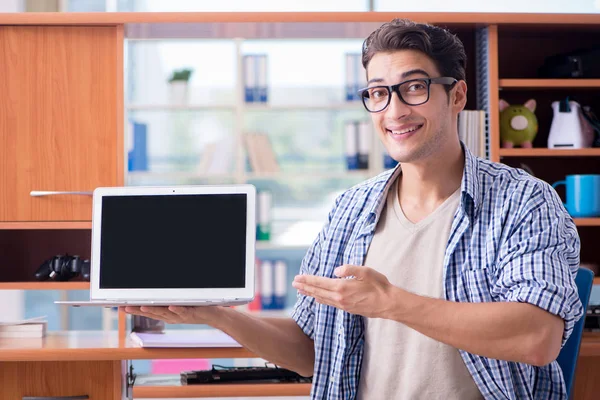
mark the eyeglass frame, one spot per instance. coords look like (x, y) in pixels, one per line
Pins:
(443, 80)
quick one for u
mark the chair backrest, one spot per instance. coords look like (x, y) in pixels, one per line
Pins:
(567, 359)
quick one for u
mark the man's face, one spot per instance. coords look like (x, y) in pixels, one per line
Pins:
(413, 133)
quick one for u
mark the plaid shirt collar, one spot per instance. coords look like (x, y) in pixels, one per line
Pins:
(470, 192)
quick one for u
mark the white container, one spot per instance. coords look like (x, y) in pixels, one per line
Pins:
(178, 92)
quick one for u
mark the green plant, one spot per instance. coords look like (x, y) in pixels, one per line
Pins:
(181, 75)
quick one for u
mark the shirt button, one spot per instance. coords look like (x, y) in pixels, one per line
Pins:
(332, 379)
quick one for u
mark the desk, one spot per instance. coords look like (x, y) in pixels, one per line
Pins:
(94, 363)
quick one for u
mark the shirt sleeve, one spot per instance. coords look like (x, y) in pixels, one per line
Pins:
(304, 309)
(540, 257)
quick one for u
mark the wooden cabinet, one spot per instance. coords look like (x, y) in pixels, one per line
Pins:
(60, 118)
(61, 129)
(62, 379)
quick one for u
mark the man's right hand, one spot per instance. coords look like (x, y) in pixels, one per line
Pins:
(180, 314)
(278, 340)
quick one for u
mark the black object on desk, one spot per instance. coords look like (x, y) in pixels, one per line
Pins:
(242, 374)
(592, 318)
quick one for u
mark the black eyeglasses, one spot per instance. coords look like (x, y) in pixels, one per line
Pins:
(412, 92)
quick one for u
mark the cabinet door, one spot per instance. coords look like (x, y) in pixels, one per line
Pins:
(61, 118)
(98, 380)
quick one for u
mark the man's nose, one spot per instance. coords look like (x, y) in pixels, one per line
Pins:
(397, 108)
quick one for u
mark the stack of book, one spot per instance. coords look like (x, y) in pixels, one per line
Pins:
(471, 130)
(24, 329)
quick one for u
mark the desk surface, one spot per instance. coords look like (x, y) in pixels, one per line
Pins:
(590, 345)
(98, 345)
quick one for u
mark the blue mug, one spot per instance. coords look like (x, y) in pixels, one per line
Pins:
(583, 195)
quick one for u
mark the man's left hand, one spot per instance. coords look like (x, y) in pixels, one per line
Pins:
(361, 290)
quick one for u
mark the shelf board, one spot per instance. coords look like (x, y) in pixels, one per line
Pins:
(587, 221)
(178, 107)
(364, 174)
(46, 225)
(549, 83)
(115, 18)
(251, 175)
(47, 285)
(177, 175)
(519, 152)
(223, 390)
(247, 106)
(265, 245)
(357, 105)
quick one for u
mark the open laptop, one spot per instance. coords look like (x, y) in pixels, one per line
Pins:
(184, 245)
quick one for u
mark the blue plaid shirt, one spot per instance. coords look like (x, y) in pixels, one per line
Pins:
(511, 240)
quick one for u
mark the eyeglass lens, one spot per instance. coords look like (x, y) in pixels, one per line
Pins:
(414, 92)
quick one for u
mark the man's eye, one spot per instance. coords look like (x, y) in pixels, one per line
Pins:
(378, 93)
(416, 87)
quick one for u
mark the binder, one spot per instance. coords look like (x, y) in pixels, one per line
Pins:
(267, 285)
(261, 83)
(354, 76)
(249, 77)
(359, 76)
(137, 156)
(364, 144)
(255, 304)
(388, 161)
(351, 139)
(263, 226)
(280, 289)
(349, 76)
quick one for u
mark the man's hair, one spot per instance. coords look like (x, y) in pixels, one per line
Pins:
(444, 48)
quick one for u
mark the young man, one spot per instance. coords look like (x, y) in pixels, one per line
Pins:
(449, 277)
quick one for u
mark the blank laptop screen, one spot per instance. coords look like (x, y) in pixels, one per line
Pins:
(173, 241)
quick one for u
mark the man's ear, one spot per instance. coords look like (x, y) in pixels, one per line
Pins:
(459, 97)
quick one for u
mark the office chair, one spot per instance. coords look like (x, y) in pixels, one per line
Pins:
(567, 358)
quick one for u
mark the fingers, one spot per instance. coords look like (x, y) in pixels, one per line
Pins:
(136, 311)
(180, 311)
(322, 295)
(317, 281)
(158, 313)
(351, 271)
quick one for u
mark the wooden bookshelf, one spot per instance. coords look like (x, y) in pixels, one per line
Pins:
(597, 280)
(46, 225)
(549, 83)
(223, 390)
(543, 152)
(43, 285)
(587, 221)
(539, 34)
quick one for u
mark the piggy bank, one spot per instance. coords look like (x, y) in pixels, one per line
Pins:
(518, 124)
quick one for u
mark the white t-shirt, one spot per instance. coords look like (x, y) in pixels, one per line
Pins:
(399, 362)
